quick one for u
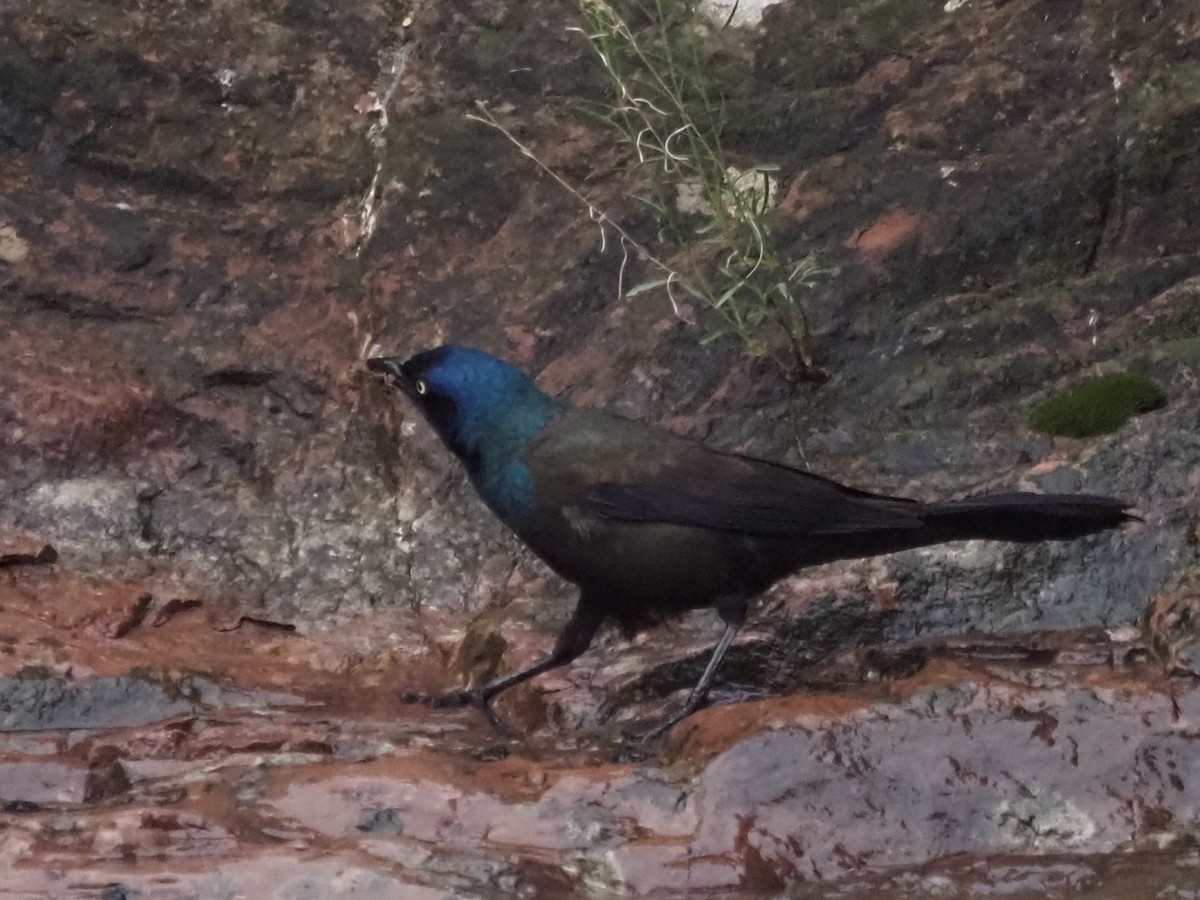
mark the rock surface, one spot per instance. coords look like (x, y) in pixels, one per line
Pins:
(224, 549)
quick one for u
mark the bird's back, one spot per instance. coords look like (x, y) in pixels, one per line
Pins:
(625, 471)
(659, 524)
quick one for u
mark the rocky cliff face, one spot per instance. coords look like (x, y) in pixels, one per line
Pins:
(209, 212)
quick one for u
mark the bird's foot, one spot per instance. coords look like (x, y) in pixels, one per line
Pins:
(449, 700)
(637, 744)
(455, 699)
(695, 701)
(645, 736)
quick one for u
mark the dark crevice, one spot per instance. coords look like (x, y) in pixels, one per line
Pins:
(77, 306)
(233, 377)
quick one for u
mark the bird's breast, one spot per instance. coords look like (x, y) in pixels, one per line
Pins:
(507, 489)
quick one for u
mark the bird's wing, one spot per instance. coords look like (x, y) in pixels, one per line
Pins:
(625, 471)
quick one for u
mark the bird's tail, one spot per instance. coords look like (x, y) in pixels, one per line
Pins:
(1024, 517)
(1020, 517)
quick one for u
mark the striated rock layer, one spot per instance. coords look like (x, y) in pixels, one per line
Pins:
(224, 549)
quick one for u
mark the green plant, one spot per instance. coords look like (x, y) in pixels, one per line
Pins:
(663, 104)
(1098, 406)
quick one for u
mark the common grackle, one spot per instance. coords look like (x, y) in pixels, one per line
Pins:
(649, 524)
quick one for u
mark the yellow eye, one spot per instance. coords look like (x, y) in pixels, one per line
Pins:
(421, 386)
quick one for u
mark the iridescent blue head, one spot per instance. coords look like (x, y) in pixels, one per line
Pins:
(485, 410)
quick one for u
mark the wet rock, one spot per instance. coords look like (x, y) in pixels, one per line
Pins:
(40, 700)
(199, 240)
(27, 785)
(1044, 807)
(381, 822)
(980, 762)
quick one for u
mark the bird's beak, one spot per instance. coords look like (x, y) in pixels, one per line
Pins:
(390, 368)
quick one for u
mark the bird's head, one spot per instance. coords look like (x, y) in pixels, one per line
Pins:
(474, 401)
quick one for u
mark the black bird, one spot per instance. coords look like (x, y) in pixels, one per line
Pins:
(649, 524)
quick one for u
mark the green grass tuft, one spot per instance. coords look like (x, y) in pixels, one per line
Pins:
(1098, 406)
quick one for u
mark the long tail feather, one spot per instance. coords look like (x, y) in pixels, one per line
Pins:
(1026, 517)
(1020, 517)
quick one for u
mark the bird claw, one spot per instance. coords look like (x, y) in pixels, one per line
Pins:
(456, 699)
(694, 703)
(657, 731)
(440, 701)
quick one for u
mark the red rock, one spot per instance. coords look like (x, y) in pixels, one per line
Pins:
(886, 233)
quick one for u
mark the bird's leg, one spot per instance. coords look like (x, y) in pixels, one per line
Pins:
(699, 693)
(572, 641)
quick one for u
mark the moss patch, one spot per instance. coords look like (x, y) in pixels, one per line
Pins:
(1098, 406)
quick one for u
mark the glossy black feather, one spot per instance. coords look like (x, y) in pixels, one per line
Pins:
(649, 524)
(623, 471)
